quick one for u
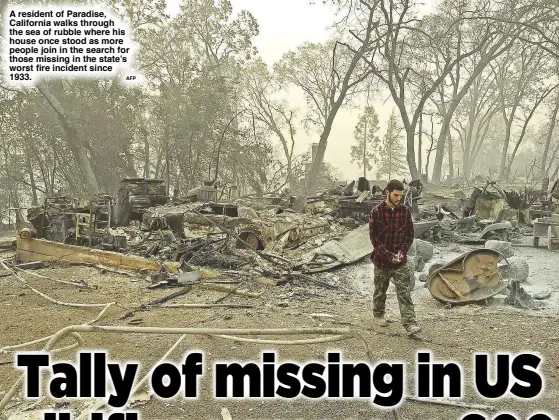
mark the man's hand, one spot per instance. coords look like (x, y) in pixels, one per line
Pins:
(397, 258)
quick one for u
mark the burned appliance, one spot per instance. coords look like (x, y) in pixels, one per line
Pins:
(135, 195)
(77, 222)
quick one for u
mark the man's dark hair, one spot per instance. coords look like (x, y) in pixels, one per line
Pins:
(394, 185)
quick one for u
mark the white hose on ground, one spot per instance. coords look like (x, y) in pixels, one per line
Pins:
(10, 349)
(78, 305)
(99, 404)
(85, 328)
(41, 276)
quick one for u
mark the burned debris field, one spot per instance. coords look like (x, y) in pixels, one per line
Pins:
(280, 209)
(260, 264)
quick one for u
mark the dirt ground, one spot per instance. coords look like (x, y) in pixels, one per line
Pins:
(452, 334)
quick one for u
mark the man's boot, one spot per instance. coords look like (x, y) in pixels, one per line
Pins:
(380, 321)
(412, 329)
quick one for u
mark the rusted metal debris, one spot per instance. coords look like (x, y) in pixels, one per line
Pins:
(472, 277)
(135, 195)
(127, 223)
(319, 234)
(78, 222)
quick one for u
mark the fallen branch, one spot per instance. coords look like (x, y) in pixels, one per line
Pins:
(102, 268)
(251, 277)
(320, 283)
(275, 256)
(167, 298)
(232, 290)
(145, 306)
(224, 289)
(219, 282)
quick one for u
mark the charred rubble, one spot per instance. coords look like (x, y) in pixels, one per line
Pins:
(282, 237)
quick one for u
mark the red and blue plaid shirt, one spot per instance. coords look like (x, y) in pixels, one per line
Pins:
(391, 231)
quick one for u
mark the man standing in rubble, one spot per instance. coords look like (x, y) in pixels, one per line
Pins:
(391, 232)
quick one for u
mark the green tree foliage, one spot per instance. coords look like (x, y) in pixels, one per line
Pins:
(390, 153)
(210, 108)
(187, 124)
(365, 135)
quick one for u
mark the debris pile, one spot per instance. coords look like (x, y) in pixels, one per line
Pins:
(282, 238)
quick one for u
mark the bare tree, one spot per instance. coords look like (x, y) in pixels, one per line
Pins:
(259, 89)
(394, 62)
(473, 118)
(517, 76)
(545, 168)
(490, 42)
(327, 85)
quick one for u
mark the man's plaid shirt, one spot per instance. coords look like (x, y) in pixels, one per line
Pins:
(391, 231)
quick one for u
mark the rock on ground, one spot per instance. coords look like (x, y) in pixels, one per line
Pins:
(421, 248)
(417, 262)
(502, 247)
(518, 269)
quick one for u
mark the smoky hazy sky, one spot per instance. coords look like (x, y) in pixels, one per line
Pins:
(284, 25)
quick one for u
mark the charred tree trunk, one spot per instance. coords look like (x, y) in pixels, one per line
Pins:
(159, 161)
(450, 155)
(167, 152)
(419, 144)
(555, 173)
(506, 141)
(130, 167)
(432, 137)
(144, 132)
(410, 155)
(365, 152)
(45, 176)
(552, 122)
(336, 103)
(32, 184)
(317, 166)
